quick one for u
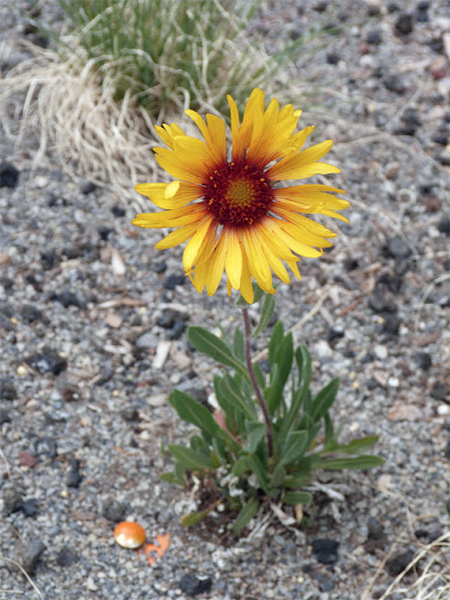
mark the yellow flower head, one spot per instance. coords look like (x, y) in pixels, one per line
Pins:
(230, 208)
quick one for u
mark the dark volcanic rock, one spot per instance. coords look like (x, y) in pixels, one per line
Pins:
(398, 563)
(7, 390)
(192, 585)
(31, 552)
(325, 550)
(47, 361)
(404, 24)
(12, 501)
(113, 510)
(73, 476)
(9, 175)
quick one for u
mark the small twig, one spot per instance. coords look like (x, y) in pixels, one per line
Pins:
(254, 381)
(19, 566)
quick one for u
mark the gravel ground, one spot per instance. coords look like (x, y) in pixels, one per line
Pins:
(92, 339)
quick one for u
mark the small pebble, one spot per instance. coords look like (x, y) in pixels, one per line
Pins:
(12, 501)
(30, 507)
(423, 360)
(73, 477)
(192, 585)
(325, 550)
(404, 24)
(397, 564)
(9, 175)
(31, 552)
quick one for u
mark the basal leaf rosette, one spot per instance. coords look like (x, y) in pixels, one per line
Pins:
(231, 207)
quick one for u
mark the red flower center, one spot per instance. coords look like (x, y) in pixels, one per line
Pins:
(238, 194)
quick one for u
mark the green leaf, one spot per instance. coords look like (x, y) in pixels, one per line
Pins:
(366, 461)
(171, 478)
(266, 313)
(191, 459)
(259, 376)
(241, 466)
(239, 344)
(278, 476)
(275, 340)
(254, 434)
(230, 389)
(303, 359)
(257, 467)
(324, 399)
(297, 480)
(358, 446)
(246, 514)
(189, 409)
(210, 344)
(294, 447)
(194, 517)
(258, 294)
(294, 498)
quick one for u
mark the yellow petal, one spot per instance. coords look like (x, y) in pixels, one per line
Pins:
(193, 246)
(177, 237)
(233, 259)
(257, 261)
(217, 265)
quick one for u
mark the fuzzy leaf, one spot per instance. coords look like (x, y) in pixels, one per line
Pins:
(366, 461)
(275, 340)
(358, 446)
(189, 409)
(278, 476)
(266, 313)
(324, 400)
(195, 461)
(254, 434)
(258, 294)
(210, 344)
(248, 511)
(239, 345)
(194, 517)
(294, 447)
(230, 389)
(171, 478)
(294, 498)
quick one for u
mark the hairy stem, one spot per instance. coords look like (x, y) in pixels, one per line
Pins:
(254, 381)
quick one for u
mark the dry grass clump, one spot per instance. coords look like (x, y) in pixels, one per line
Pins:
(430, 565)
(120, 67)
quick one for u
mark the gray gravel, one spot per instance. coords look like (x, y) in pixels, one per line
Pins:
(92, 340)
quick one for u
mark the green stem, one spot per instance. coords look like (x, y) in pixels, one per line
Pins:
(254, 382)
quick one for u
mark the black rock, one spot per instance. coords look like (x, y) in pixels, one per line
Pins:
(373, 10)
(118, 211)
(447, 451)
(440, 138)
(391, 324)
(168, 318)
(177, 330)
(88, 187)
(423, 360)
(160, 266)
(8, 175)
(325, 550)
(113, 510)
(30, 313)
(392, 7)
(380, 300)
(73, 477)
(392, 282)
(334, 334)
(4, 416)
(7, 390)
(172, 281)
(436, 44)
(106, 373)
(398, 564)
(351, 264)
(47, 361)
(12, 501)
(32, 551)
(46, 446)
(394, 83)
(66, 558)
(104, 232)
(374, 37)
(397, 248)
(444, 159)
(444, 226)
(7, 283)
(439, 391)
(375, 530)
(30, 507)
(192, 585)
(333, 58)
(49, 259)
(68, 298)
(404, 24)
(130, 413)
(372, 384)
(424, 5)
